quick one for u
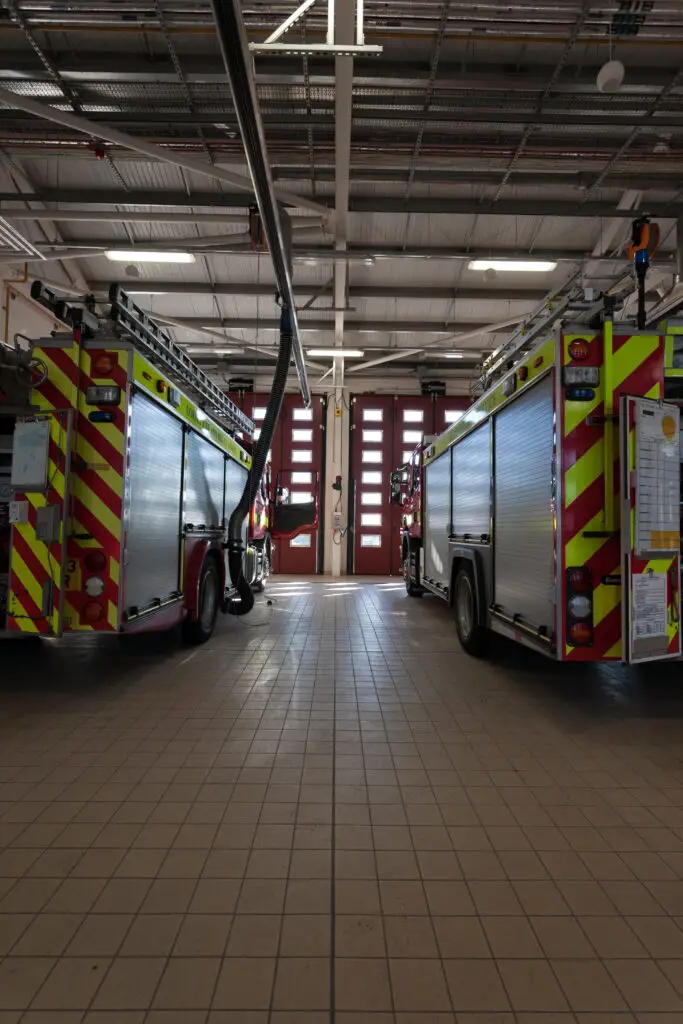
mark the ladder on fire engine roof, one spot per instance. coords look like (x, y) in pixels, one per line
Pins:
(126, 321)
(572, 301)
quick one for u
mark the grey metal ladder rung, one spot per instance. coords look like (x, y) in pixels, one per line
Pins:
(149, 335)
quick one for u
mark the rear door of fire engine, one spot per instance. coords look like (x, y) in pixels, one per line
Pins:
(650, 528)
(39, 569)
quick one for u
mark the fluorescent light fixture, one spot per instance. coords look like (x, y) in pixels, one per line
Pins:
(143, 291)
(336, 353)
(211, 350)
(451, 355)
(515, 266)
(140, 256)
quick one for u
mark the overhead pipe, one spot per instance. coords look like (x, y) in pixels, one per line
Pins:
(232, 38)
(148, 149)
(123, 217)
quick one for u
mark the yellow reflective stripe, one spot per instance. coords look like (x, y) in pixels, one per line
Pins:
(580, 548)
(28, 580)
(18, 612)
(584, 471)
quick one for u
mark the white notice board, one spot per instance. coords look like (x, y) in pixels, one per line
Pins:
(658, 471)
(650, 611)
(30, 456)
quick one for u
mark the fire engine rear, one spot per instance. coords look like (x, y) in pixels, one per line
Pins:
(549, 512)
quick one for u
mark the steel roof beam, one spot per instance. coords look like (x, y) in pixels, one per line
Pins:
(249, 288)
(254, 323)
(158, 153)
(357, 204)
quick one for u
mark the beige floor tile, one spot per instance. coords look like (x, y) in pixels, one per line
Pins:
(20, 980)
(47, 935)
(130, 984)
(359, 936)
(362, 985)
(561, 937)
(254, 935)
(187, 983)
(532, 986)
(302, 983)
(203, 935)
(151, 935)
(475, 985)
(511, 937)
(305, 935)
(588, 986)
(410, 937)
(645, 987)
(72, 984)
(245, 984)
(418, 984)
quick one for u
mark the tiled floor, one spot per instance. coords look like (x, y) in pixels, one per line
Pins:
(331, 814)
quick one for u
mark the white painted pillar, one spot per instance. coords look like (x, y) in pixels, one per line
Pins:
(337, 464)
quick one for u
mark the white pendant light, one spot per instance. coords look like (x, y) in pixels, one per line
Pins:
(611, 76)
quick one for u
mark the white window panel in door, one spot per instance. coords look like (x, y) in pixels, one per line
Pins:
(302, 541)
(301, 477)
(370, 540)
(412, 436)
(371, 498)
(452, 415)
(373, 415)
(302, 455)
(370, 456)
(302, 416)
(371, 476)
(373, 436)
(300, 497)
(259, 412)
(407, 456)
(371, 519)
(257, 433)
(413, 415)
(302, 435)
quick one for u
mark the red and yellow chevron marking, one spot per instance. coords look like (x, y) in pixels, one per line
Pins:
(629, 364)
(36, 565)
(93, 491)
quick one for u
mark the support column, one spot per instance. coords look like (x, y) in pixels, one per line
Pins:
(337, 464)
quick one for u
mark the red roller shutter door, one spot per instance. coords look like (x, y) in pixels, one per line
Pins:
(385, 430)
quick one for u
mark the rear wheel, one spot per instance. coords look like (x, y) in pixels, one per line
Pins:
(199, 630)
(472, 636)
(412, 589)
(259, 584)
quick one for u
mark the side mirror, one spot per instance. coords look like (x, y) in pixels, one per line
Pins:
(395, 494)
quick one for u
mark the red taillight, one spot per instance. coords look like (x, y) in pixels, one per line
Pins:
(579, 349)
(580, 634)
(102, 366)
(92, 612)
(579, 608)
(96, 561)
(579, 580)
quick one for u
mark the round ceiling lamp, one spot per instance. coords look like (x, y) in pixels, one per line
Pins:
(611, 76)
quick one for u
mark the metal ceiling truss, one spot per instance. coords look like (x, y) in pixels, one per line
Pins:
(272, 44)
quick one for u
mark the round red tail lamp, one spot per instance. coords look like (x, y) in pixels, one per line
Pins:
(579, 349)
(92, 612)
(96, 561)
(580, 634)
(102, 366)
(579, 580)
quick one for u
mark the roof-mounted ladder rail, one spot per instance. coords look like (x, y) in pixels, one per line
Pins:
(149, 336)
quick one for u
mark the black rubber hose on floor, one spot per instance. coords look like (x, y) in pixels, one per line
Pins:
(235, 539)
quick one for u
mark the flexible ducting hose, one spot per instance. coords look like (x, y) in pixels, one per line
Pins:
(235, 539)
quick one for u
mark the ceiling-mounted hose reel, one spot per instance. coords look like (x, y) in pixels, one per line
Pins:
(645, 238)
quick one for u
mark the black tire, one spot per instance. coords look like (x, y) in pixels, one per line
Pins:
(198, 631)
(471, 634)
(412, 589)
(259, 584)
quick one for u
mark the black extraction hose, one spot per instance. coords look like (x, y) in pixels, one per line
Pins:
(235, 538)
